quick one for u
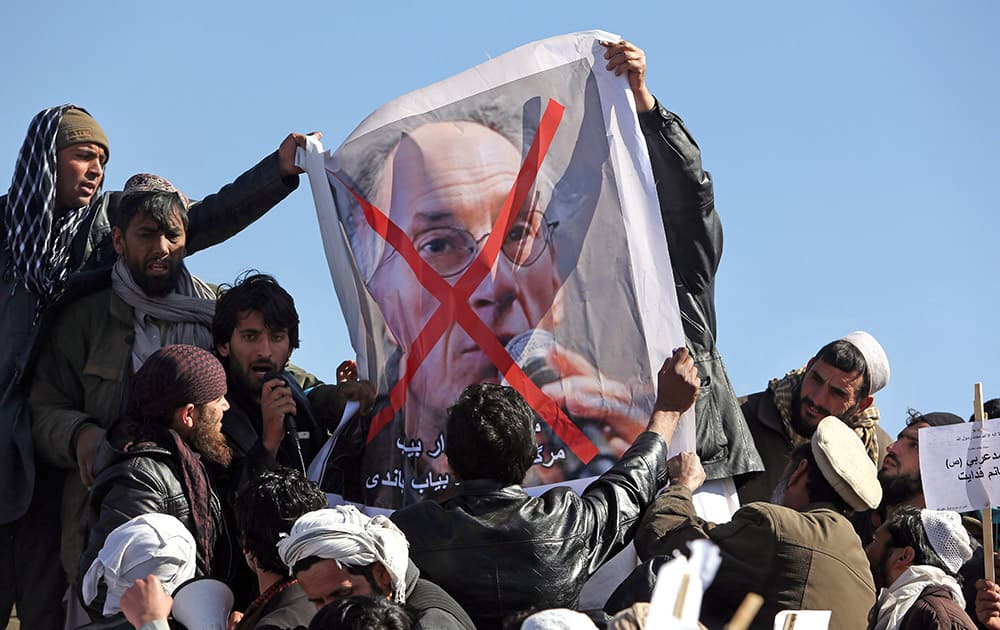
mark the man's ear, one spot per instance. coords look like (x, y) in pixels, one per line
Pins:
(183, 419)
(800, 474)
(382, 578)
(222, 349)
(903, 557)
(118, 239)
(866, 403)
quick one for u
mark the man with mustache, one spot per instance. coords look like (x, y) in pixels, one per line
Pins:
(839, 381)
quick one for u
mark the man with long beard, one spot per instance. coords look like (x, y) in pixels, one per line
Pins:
(151, 460)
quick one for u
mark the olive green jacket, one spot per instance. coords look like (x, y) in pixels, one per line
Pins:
(795, 560)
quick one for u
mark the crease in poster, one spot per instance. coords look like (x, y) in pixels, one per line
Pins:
(500, 226)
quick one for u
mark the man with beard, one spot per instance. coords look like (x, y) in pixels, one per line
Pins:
(152, 459)
(902, 487)
(98, 343)
(839, 381)
(915, 558)
(255, 330)
(899, 474)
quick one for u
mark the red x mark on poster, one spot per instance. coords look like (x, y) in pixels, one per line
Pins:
(454, 300)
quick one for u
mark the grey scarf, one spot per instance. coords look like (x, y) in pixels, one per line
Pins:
(190, 308)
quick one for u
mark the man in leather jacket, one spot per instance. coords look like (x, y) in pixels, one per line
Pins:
(151, 460)
(694, 238)
(496, 549)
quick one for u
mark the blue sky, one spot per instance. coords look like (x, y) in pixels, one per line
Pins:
(853, 146)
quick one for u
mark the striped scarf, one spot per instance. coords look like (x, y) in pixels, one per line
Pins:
(39, 244)
(785, 390)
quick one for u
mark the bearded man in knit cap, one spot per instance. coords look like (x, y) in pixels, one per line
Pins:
(54, 224)
(840, 381)
(339, 552)
(152, 458)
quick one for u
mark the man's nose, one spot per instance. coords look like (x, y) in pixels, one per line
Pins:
(497, 291)
(264, 348)
(892, 447)
(96, 169)
(161, 245)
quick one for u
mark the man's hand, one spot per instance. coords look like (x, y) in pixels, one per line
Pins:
(286, 152)
(627, 57)
(88, 438)
(685, 470)
(275, 402)
(677, 383)
(328, 401)
(347, 371)
(146, 601)
(988, 604)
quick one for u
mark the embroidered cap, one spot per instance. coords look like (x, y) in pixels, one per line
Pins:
(150, 183)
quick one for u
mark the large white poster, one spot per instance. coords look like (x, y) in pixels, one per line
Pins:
(501, 226)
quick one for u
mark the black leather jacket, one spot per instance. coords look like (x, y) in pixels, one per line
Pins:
(497, 550)
(694, 238)
(143, 480)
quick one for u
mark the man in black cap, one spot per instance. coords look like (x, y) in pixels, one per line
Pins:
(152, 458)
(55, 224)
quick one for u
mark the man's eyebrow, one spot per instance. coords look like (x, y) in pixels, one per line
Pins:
(433, 216)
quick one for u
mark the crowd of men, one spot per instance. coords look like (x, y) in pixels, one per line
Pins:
(154, 430)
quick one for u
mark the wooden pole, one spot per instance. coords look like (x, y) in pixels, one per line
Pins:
(979, 414)
(745, 614)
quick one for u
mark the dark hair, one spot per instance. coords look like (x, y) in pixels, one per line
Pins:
(845, 356)
(819, 489)
(906, 529)
(159, 206)
(992, 409)
(259, 292)
(362, 613)
(491, 434)
(267, 507)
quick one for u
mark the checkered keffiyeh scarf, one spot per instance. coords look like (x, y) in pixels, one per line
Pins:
(39, 245)
(864, 423)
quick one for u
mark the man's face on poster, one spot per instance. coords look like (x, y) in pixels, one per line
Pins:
(444, 185)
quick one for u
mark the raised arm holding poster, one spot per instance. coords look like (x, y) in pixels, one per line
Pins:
(502, 225)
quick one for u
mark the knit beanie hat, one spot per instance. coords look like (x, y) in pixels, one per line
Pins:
(172, 377)
(78, 127)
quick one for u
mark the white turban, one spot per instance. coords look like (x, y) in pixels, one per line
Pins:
(151, 544)
(345, 535)
(875, 358)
